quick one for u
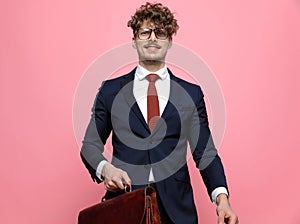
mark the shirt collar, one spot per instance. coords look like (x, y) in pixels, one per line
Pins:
(141, 72)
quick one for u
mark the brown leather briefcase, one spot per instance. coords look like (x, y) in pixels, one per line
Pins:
(135, 207)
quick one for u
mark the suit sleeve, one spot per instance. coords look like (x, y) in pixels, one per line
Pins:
(96, 135)
(203, 149)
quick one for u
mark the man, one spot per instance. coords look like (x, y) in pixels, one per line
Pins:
(152, 114)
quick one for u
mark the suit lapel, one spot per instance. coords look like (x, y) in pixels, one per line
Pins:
(127, 91)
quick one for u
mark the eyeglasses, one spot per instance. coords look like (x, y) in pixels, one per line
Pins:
(145, 33)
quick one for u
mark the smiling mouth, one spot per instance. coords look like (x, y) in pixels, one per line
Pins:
(152, 46)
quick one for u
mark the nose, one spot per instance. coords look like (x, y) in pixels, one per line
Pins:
(152, 36)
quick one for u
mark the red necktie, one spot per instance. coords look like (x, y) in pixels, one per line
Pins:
(152, 102)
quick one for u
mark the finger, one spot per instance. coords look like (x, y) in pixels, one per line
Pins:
(221, 217)
(111, 186)
(233, 220)
(118, 183)
(126, 180)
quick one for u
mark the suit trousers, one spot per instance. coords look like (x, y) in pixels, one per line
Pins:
(164, 217)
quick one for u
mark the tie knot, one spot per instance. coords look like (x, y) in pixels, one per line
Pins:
(152, 77)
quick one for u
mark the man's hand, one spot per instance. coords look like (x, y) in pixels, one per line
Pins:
(114, 179)
(224, 211)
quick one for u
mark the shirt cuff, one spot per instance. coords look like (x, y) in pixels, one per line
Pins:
(216, 192)
(99, 169)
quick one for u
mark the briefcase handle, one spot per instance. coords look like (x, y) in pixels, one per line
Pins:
(127, 189)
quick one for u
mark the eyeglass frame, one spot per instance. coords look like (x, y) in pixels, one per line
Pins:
(152, 30)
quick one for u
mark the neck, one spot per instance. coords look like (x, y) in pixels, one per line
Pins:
(152, 66)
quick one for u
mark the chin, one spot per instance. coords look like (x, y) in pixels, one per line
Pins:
(152, 61)
(153, 58)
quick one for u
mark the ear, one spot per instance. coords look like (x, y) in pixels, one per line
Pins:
(133, 43)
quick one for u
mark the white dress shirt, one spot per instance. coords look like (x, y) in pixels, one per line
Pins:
(140, 87)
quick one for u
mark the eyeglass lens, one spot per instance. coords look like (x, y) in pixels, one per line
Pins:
(145, 33)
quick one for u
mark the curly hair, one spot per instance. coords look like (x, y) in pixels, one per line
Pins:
(157, 14)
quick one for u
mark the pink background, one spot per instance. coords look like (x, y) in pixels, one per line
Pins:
(253, 49)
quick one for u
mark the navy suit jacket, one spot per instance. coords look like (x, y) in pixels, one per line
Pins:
(136, 150)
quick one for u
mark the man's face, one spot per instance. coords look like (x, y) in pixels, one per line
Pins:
(152, 49)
